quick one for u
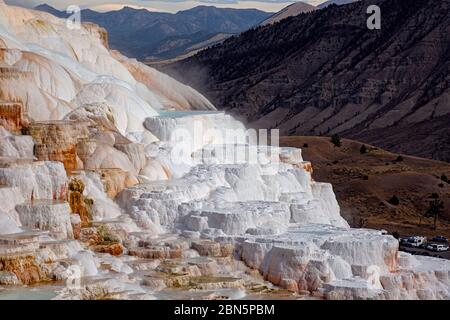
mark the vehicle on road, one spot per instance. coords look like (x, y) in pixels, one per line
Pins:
(437, 247)
(440, 239)
(416, 241)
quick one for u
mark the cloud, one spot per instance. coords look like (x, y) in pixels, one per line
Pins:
(163, 5)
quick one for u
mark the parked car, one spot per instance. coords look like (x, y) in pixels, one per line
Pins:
(440, 239)
(403, 241)
(417, 241)
(437, 247)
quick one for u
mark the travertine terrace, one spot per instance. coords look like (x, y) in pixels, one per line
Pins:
(92, 193)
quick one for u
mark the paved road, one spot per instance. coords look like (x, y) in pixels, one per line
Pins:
(420, 251)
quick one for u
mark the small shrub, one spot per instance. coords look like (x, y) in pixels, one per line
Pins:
(445, 178)
(305, 145)
(434, 195)
(435, 210)
(394, 200)
(440, 185)
(106, 235)
(76, 185)
(365, 177)
(363, 149)
(399, 159)
(396, 235)
(336, 140)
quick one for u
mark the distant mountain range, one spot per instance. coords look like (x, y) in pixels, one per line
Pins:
(324, 72)
(143, 34)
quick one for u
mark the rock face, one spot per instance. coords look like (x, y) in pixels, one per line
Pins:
(314, 75)
(19, 269)
(18, 264)
(11, 115)
(57, 141)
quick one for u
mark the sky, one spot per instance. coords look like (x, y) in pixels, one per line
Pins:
(162, 5)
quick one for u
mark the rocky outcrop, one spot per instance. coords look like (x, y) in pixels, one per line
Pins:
(12, 112)
(98, 32)
(17, 260)
(56, 141)
(106, 151)
(115, 180)
(11, 115)
(207, 248)
(78, 203)
(114, 249)
(25, 269)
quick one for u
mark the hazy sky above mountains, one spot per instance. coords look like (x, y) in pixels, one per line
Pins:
(163, 5)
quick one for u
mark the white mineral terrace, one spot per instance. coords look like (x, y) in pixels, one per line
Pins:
(98, 198)
(271, 216)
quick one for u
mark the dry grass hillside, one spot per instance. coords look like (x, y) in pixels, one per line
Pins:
(365, 182)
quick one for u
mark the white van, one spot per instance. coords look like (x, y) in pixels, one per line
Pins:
(437, 247)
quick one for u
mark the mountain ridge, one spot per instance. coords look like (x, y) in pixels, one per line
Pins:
(140, 33)
(335, 2)
(291, 10)
(324, 72)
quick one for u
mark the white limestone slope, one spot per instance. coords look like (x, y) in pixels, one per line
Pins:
(281, 222)
(38, 180)
(13, 146)
(58, 69)
(265, 205)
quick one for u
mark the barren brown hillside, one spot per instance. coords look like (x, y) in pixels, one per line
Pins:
(364, 183)
(324, 72)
